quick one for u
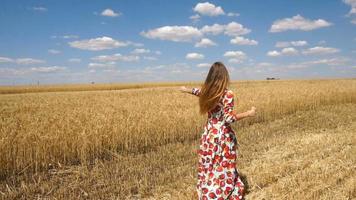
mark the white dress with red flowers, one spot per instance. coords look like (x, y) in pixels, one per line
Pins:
(218, 177)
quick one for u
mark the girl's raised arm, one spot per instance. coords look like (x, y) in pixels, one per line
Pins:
(194, 91)
(230, 115)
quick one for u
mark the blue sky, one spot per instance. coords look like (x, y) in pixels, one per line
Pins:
(159, 40)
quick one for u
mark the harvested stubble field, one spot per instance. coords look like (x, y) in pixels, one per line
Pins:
(142, 143)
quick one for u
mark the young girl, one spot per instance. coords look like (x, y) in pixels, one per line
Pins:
(218, 177)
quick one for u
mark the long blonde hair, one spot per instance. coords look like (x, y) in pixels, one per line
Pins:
(215, 84)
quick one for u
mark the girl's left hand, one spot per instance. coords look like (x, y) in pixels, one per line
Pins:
(252, 112)
(183, 89)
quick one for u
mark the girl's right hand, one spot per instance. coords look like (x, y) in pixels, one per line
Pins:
(252, 112)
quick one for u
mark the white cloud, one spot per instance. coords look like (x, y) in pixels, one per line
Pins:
(320, 50)
(214, 29)
(352, 3)
(273, 53)
(39, 8)
(28, 61)
(208, 9)
(243, 41)
(298, 23)
(74, 60)
(329, 61)
(70, 36)
(231, 29)
(235, 60)
(283, 44)
(21, 61)
(54, 51)
(116, 57)
(232, 14)
(102, 65)
(193, 56)
(140, 51)
(5, 60)
(205, 42)
(195, 18)
(97, 44)
(11, 71)
(289, 51)
(110, 13)
(134, 44)
(65, 36)
(173, 33)
(235, 56)
(235, 29)
(353, 21)
(48, 69)
(204, 65)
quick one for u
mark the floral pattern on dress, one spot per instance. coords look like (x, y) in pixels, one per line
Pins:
(218, 176)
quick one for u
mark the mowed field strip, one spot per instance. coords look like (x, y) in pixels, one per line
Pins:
(142, 143)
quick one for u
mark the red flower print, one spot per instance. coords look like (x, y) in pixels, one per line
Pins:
(217, 175)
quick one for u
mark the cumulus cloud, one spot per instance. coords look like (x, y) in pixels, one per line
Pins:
(318, 50)
(173, 33)
(273, 53)
(28, 61)
(322, 62)
(351, 3)
(116, 57)
(21, 61)
(235, 29)
(230, 29)
(283, 44)
(110, 13)
(289, 51)
(298, 23)
(208, 9)
(48, 69)
(140, 51)
(243, 41)
(27, 71)
(205, 42)
(97, 44)
(329, 61)
(65, 36)
(214, 29)
(102, 65)
(195, 18)
(194, 56)
(203, 65)
(235, 56)
(5, 60)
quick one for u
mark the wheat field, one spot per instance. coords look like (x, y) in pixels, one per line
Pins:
(140, 141)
